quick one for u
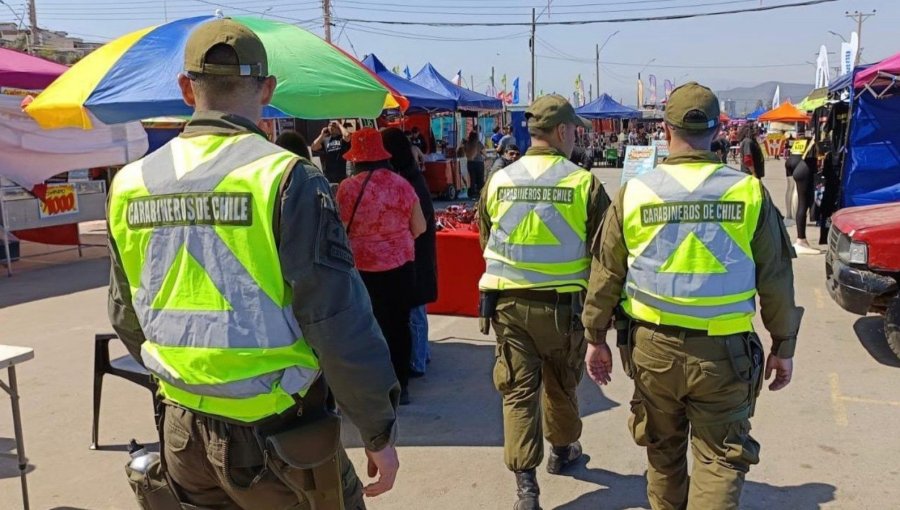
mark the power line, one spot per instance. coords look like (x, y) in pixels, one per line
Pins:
(586, 22)
(672, 66)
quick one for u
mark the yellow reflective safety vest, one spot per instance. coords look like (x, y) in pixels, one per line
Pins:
(193, 226)
(538, 240)
(688, 230)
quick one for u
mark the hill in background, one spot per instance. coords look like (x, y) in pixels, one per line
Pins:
(742, 100)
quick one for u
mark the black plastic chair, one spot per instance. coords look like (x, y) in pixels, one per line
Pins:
(125, 367)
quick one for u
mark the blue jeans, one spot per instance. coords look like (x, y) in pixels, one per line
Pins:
(421, 351)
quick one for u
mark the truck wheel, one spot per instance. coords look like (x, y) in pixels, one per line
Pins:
(451, 192)
(892, 326)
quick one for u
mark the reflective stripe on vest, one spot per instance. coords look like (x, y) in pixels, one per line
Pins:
(557, 256)
(716, 295)
(246, 358)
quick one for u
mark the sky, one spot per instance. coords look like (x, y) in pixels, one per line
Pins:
(719, 51)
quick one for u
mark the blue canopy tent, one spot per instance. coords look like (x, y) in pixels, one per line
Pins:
(605, 107)
(871, 170)
(420, 98)
(465, 99)
(845, 82)
(756, 113)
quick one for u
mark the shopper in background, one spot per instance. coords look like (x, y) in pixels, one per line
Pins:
(294, 142)
(464, 177)
(383, 217)
(331, 145)
(425, 290)
(508, 157)
(507, 140)
(475, 162)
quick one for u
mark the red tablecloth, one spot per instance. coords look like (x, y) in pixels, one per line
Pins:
(460, 266)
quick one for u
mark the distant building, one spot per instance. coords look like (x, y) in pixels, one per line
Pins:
(52, 44)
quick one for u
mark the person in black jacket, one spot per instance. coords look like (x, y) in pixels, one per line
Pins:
(426, 258)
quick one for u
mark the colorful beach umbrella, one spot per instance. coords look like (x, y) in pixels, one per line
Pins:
(134, 77)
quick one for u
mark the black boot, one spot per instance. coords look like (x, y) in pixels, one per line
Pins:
(528, 491)
(563, 457)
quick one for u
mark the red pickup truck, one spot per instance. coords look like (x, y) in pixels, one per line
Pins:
(862, 265)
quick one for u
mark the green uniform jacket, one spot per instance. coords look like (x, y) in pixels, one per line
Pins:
(772, 253)
(598, 202)
(332, 305)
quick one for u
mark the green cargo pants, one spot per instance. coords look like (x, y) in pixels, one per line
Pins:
(691, 386)
(211, 461)
(537, 346)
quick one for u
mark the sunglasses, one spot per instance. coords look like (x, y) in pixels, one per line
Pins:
(511, 154)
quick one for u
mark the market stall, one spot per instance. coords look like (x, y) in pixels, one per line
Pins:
(443, 176)
(460, 263)
(870, 170)
(29, 155)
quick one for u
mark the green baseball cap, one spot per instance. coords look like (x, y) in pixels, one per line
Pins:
(692, 107)
(547, 112)
(251, 54)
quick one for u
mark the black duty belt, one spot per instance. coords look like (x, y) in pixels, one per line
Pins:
(544, 296)
(673, 330)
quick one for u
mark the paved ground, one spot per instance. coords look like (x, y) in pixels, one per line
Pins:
(829, 440)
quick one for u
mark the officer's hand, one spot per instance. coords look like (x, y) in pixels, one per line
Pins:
(384, 463)
(599, 363)
(783, 368)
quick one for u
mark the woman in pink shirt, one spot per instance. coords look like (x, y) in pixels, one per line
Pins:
(383, 217)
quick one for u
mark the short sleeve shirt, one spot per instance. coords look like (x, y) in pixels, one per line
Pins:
(335, 166)
(379, 236)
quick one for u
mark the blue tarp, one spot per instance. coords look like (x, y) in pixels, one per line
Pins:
(465, 99)
(605, 107)
(872, 165)
(846, 81)
(420, 98)
(756, 113)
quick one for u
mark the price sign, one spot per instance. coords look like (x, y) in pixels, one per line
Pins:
(60, 200)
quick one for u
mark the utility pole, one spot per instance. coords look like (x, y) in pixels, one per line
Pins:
(32, 20)
(859, 17)
(597, 62)
(326, 17)
(532, 44)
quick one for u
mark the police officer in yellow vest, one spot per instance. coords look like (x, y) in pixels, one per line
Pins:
(233, 283)
(537, 216)
(684, 252)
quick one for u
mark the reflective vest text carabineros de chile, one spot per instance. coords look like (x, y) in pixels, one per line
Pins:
(193, 226)
(538, 210)
(688, 230)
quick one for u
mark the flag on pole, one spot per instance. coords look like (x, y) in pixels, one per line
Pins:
(395, 69)
(530, 98)
(577, 90)
(407, 73)
(669, 87)
(776, 99)
(652, 80)
(640, 93)
(515, 98)
(582, 97)
(457, 80)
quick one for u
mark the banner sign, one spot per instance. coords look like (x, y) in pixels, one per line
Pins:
(639, 159)
(60, 200)
(662, 150)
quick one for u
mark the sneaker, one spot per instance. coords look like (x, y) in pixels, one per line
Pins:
(561, 458)
(527, 491)
(803, 248)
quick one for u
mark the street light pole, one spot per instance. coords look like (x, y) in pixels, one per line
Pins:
(832, 32)
(597, 59)
(860, 18)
